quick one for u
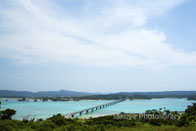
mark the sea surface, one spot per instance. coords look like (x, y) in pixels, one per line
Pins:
(44, 110)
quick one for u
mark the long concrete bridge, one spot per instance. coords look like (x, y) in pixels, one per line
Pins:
(71, 115)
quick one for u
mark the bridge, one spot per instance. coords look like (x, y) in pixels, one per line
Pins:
(71, 115)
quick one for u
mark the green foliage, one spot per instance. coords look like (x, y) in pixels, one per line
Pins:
(191, 110)
(189, 118)
(8, 125)
(169, 118)
(7, 114)
(59, 123)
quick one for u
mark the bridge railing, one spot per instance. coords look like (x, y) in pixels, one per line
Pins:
(92, 108)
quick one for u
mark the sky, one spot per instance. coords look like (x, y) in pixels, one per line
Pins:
(98, 45)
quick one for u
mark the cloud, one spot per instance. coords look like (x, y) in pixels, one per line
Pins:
(99, 34)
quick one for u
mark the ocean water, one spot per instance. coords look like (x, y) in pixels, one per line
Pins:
(47, 109)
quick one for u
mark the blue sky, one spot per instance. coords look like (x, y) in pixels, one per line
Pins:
(98, 46)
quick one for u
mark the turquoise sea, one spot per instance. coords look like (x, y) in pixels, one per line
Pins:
(46, 109)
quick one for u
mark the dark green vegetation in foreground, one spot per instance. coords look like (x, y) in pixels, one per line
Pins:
(187, 122)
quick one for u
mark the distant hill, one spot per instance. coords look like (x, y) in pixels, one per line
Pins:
(141, 95)
(65, 93)
(159, 94)
(8, 93)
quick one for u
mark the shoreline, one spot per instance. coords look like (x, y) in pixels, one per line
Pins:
(49, 100)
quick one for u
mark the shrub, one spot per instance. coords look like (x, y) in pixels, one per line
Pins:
(7, 114)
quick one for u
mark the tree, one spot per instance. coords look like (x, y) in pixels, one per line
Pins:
(189, 117)
(7, 114)
(191, 110)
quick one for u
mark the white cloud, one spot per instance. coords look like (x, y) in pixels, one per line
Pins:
(113, 35)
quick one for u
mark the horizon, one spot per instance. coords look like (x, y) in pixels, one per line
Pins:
(98, 46)
(98, 92)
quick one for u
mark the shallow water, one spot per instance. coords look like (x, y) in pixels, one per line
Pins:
(46, 109)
